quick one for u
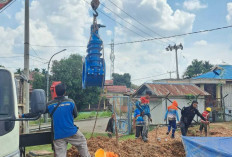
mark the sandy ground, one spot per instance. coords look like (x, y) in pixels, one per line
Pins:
(159, 144)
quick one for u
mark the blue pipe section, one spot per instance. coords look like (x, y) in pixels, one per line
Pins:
(94, 66)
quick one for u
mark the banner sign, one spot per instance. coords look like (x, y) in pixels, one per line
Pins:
(3, 3)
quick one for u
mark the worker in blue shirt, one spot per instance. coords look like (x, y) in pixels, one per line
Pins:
(62, 112)
(143, 106)
(138, 123)
(172, 115)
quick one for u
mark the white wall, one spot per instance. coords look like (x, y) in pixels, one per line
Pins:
(159, 112)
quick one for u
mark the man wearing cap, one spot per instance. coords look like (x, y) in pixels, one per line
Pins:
(143, 106)
(205, 114)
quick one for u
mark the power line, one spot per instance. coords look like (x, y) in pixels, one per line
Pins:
(129, 22)
(145, 40)
(56, 46)
(37, 54)
(7, 6)
(137, 20)
(117, 21)
(149, 77)
(12, 57)
(178, 35)
(23, 56)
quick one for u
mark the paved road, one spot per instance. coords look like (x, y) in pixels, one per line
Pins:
(84, 125)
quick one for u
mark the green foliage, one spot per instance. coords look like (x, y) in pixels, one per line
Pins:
(190, 97)
(197, 68)
(39, 81)
(87, 115)
(69, 71)
(124, 79)
(133, 86)
(18, 71)
(2, 66)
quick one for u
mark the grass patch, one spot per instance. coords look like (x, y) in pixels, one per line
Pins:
(127, 137)
(36, 122)
(48, 147)
(88, 115)
(81, 116)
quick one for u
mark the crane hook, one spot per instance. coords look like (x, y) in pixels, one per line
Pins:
(94, 5)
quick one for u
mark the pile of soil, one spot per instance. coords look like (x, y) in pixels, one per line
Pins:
(159, 143)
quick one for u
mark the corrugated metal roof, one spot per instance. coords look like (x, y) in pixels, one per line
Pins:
(116, 89)
(175, 89)
(109, 82)
(225, 73)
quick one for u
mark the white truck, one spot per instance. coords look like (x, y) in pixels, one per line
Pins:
(12, 144)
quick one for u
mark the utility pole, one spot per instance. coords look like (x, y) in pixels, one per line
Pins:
(175, 47)
(26, 63)
(112, 58)
(170, 73)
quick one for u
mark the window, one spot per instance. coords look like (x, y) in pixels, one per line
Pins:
(6, 102)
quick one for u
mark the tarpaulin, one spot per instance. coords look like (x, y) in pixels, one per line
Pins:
(207, 146)
(3, 3)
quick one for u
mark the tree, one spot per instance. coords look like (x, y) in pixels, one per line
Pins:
(2, 66)
(39, 80)
(18, 71)
(69, 71)
(197, 68)
(124, 79)
(134, 86)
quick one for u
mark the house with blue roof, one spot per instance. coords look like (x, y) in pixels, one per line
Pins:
(218, 83)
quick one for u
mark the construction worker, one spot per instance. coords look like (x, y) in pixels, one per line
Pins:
(138, 123)
(172, 115)
(205, 114)
(143, 106)
(110, 126)
(62, 112)
(187, 115)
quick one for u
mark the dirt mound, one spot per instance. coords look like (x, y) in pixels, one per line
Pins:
(159, 144)
(136, 147)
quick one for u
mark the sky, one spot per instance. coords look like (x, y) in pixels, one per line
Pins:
(55, 25)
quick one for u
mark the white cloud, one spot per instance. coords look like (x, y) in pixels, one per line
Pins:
(109, 33)
(194, 5)
(229, 15)
(201, 43)
(61, 22)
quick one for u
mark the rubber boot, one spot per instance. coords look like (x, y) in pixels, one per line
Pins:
(144, 139)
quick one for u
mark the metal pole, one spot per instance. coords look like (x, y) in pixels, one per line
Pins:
(177, 71)
(46, 115)
(26, 63)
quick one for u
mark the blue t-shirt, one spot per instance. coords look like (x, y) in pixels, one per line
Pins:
(139, 118)
(63, 119)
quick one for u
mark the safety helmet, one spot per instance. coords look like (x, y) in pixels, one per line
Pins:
(208, 109)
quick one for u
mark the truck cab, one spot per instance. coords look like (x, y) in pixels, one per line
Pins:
(9, 130)
(12, 144)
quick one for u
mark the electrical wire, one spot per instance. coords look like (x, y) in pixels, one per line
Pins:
(149, 77)
(137, 41)
(56, 46)
(178, 35)
(8, 5)
(138, 21)
(130, 23)
(117, 21)
(36, 54)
